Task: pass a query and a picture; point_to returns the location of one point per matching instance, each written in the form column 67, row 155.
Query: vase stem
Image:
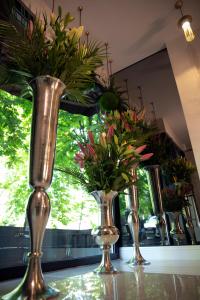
column 134, row 224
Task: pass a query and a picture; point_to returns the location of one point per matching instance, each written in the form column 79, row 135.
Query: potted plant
column 177, row 172
column 173, row 202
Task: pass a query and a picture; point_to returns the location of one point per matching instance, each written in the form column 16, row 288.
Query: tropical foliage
column 66, row 196
column 49, row 47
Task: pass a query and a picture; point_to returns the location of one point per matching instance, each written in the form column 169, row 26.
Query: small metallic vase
column 106, row 234
column 154, row 181
column 134, row 225
column 176, row 231
column 47, row 93
column 190, row 225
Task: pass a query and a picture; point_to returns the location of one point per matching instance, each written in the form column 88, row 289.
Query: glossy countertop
column 130, row 285
column 160, row 280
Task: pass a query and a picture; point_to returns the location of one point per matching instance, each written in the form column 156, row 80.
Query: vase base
column 138, row 262
column 21, row 293
column 105, row 270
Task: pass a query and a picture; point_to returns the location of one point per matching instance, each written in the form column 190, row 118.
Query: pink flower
column 102, row 139
column 127, row 127
column 79, row 159
column 140, row 149
column 91, row 150
column 91, row 137
column 129, row 147
column 110, row 132
column 82, row 148
column 146, row 156
column 30, row 29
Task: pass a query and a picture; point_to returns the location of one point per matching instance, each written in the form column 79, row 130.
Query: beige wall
column 37, row 6
column 187, row 78
column 185, row 61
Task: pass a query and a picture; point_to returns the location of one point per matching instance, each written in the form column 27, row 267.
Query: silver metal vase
column 190, row 225
column 134, row 225
column 47, row 93
column 106, row 234
column 154, row 181
column 176, row 231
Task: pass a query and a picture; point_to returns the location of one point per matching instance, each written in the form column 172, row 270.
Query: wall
column 169, row 253
column 37, row 6
column 186, row 72
column 185, row 61
column 155, row 76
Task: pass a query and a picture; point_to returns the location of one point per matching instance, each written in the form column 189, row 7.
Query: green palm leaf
column 31, row 55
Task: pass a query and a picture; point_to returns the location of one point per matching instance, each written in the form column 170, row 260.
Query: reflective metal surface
column 154, row 180
column 176, row 231
column 48, row 91
column 106, row 234
column 134, row 225
column 190, row 225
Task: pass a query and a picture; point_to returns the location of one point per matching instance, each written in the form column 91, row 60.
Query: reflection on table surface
column 129, row 285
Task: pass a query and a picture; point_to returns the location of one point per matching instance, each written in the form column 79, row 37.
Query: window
column 74, row 213
column 21, row 14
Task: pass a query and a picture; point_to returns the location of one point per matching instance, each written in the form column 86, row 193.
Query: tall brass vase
column 134, row 225
column 47, row 93
column 106, row 233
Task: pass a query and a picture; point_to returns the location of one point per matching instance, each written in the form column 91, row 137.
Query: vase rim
column 101, row 192
column 48, row 76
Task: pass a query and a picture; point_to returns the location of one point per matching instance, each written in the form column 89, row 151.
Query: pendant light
column 185, row 22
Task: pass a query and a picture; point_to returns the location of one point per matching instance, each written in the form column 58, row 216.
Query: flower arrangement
column 107, row 163
column 107, row 158
column 177, row 175
column 174, row 197
column 130, row 124
column 49, row 47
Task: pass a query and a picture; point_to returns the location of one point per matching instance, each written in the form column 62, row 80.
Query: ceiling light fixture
column 185, row 22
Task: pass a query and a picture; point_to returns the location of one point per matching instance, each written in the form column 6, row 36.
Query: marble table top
column 129, row 285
